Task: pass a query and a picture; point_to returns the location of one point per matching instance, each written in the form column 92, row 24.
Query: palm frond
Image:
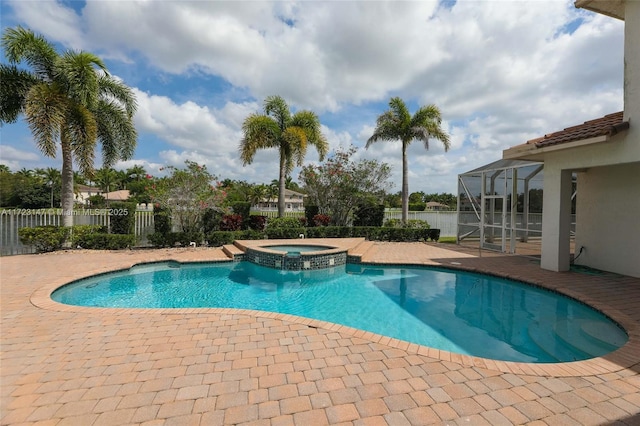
column 45, row 109
column 76, row 70
column 276, row 107
column 111, row 88
column 296, row 145
column 260, row 132
column 310, row 122
column 116, row 132
column 14, row 86
column 21, row 44
column 81, row 130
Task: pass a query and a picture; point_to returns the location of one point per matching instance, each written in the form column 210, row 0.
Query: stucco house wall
column 608, row 170
column 608, row 219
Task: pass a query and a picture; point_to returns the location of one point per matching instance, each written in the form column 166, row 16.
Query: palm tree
column 69, row 98
column 137, row 173
column 398, row 124
column 290, row 134
column 51, row 177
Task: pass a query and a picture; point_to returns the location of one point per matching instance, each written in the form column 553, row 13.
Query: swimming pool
column 455, row 311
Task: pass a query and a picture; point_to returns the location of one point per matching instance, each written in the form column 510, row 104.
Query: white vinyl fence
column 14, row 219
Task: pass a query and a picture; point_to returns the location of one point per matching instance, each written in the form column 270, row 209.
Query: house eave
column 531, row 151
column 612, row 8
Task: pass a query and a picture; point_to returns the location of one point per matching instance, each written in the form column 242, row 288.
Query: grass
column 447, row 240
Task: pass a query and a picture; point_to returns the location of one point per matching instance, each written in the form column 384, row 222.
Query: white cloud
column 501, row 72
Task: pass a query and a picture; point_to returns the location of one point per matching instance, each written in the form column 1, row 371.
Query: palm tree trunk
column 281, row 182
column 405, row 184
column 67, row 183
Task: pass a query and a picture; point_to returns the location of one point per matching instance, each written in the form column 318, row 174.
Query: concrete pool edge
column 625, row 357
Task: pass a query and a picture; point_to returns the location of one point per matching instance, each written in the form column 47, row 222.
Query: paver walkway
column 84, row 366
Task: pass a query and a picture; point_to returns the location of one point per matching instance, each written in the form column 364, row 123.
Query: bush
column 417, row 224
column 80, row 231
column 242, row 208
column 283, row 222
column 161, row 220
column 321, row 220
column 310, row 212
column 231, row 222
column 97, row 241
column 220, row 238
column 211, row 219
column 122, row 217
column 393, row 223
column 160, row 239
column 368, row 214
column 44, row 238
column 417, row 207
column 411, row 223
column 257, row 223
column 284, row 227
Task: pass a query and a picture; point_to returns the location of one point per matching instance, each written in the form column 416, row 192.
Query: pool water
column 455, row 311
column 296, row 248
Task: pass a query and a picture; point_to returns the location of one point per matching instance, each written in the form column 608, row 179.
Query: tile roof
column 608, row 125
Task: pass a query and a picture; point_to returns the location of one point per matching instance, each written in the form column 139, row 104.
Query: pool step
column 363, row 249
column 232, row 251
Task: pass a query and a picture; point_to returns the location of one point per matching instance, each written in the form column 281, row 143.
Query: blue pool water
column 451, row 310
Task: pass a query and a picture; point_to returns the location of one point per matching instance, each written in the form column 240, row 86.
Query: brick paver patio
column 65, row 365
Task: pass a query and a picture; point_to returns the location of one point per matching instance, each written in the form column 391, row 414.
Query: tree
column 290, row 134
column 68, row 98
column 339, row 184
column 52, row 178
column 398, row 124
column 187, row 194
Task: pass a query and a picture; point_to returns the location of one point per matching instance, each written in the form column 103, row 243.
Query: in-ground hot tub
column 295, row 257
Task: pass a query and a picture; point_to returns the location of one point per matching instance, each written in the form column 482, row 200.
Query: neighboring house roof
column 121, row 195
column 432, row 204
column 592, row 131
column 290, row 192
column 613, row 8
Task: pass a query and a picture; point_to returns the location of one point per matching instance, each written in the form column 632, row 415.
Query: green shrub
column 284, row 233
column 107, row 241
column 310, row 212
column 122, row 217
column 243, row 208
column 283, row 222
column 44, row 238
column 210, row 220
column 186, row 238
column 417, row 207
column 220, row 238
column 417, row 224
column 161, row 220
column 368, row 214
column 80, row 231
column 392, row 223
column 411, row 223
column 161, row 239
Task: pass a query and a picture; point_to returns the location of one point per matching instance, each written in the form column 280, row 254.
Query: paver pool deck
column 66, row 365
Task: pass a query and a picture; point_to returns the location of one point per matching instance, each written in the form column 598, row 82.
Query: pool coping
column 624, row 357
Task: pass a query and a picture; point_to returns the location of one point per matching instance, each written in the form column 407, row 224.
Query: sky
column 501, row 71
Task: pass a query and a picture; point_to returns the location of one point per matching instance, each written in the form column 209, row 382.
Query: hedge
column 44, row 238
column 107, row 241
column 122, row 217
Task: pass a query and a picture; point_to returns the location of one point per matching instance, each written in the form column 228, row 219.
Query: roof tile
column 607, row 125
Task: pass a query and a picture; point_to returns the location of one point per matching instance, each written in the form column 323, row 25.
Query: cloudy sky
column 502, row 72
